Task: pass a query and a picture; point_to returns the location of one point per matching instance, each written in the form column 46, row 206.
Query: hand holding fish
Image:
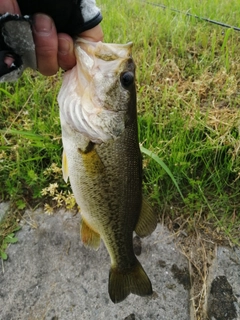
column 53, row 50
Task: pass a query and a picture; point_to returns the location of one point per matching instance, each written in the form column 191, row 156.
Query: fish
column 102, row 159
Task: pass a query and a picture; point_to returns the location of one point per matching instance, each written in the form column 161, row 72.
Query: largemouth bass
column 103, row 161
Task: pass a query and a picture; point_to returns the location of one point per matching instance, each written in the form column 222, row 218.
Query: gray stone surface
column 50, row 275
column 4, row 207
column 223, row 301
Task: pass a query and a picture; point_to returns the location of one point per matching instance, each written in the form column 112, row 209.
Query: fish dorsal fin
column 89, row 237
column 65, row 167
column 147, row 221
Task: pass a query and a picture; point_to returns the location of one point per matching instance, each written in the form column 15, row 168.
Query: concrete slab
column 223, row 301
column 50, row 275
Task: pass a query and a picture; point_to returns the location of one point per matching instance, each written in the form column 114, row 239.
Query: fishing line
column 192, row 15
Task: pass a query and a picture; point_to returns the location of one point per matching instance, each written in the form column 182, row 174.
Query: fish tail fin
column 123, row 282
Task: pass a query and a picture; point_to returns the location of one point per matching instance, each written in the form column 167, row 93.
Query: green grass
column 188, row 111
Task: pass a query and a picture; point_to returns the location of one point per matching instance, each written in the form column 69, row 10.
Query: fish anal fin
column 147, row 221
column 123, row 282
column 65, row 166
column 89, row 237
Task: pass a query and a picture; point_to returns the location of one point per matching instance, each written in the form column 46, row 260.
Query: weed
column 10, row 238
column 8, row 227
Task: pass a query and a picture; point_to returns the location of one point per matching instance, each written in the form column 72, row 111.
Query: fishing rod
column 192, row 15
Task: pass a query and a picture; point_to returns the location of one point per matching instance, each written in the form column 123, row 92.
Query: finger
column 66, row 56
column 46, row 44
column 10, row 6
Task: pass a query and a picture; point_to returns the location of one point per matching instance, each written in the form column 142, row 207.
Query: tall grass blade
column 163, row 165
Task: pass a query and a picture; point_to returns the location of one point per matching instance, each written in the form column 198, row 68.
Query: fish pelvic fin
column 147, row 221
column 65, row 166
column 123, row 282
column 89, row 237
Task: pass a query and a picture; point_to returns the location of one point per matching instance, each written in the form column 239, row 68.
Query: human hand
column 53, row 50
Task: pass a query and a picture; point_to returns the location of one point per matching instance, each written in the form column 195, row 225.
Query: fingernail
column 42, row 24
column 63, row 46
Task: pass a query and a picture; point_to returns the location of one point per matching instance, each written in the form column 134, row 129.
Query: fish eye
column 127, row 78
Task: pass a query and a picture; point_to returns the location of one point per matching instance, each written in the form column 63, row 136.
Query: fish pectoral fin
column 91, row 160
column 123, row 282
column 147, row 221
column 89, row 237
column 65, row 166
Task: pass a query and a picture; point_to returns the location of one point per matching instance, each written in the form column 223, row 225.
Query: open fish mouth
column 105, row 51
column 104, row 62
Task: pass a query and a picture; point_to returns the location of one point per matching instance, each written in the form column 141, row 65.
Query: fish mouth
column 105, row 51
column 99, row 58
column 106, row 60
